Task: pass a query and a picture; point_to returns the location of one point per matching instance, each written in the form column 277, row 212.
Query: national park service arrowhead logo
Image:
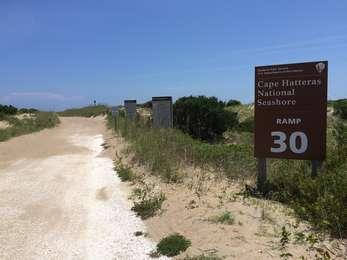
column 320, row 67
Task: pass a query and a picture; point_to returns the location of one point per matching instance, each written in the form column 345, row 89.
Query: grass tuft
column 173, row 245
column 124, row 173
column 203, row 257
column 223, row 218
column 148, row 207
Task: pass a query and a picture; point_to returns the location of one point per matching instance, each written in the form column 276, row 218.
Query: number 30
column 280, row 138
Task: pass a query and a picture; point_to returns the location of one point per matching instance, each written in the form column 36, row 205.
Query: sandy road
column 60, row 199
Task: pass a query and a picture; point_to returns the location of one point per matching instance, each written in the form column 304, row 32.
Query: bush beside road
column 33, row 123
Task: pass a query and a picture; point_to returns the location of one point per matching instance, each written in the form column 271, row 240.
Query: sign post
column 114, row 112
column 262, row 174
column 162, row 112
column 290, row 112
column 130, row 109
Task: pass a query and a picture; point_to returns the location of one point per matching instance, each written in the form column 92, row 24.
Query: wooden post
column 262, row 174
column 315, row 165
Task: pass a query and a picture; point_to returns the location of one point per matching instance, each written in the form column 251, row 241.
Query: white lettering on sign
column 301, row 83
column 267, row 84
column 276, row 93
column 280, row 138
column 276, row 102
column 288, row 121
column 289, row 83
column 303, row 142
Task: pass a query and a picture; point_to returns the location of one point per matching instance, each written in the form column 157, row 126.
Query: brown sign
column 290, row 110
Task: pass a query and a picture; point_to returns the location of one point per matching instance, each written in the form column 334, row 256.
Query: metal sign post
column 130, row 109
column 162, row 112
column 114, row 112
column 315, row 165
column 262, row 174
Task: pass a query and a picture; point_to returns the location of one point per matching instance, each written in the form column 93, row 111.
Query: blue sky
column 58, row 54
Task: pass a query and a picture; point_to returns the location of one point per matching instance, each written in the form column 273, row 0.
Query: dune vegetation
column 28, row 124
column 88, row 111
column 321, row 200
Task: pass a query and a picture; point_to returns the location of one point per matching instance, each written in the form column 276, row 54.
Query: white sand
column 4, row 124
column 66, row 206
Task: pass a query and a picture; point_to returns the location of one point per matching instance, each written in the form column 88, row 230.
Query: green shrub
column 18, row 127
column 147, row 207
column 247, row 125
column 124, row 173
column 340, row 107
column 233, row 102
column 173, row 245
column 223, row 218
column 203, row 117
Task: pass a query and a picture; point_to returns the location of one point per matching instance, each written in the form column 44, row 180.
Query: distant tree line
column 8, row 110
column 28, row 110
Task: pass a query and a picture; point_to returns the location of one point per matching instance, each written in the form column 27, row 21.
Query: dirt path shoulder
column 60, row 198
